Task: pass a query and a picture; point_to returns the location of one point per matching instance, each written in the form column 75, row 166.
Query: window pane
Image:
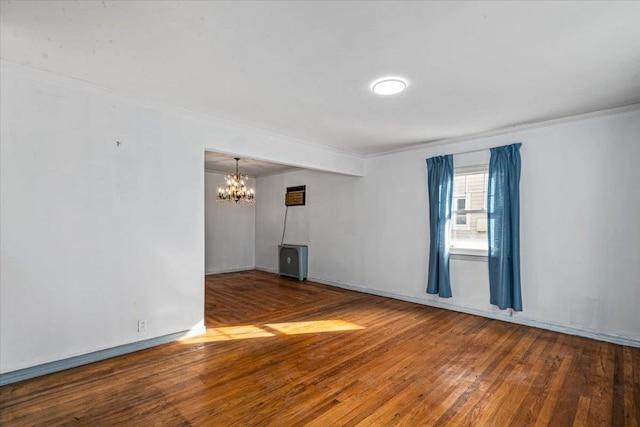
column 469, row 230
column 470, row 234
column 459, row 184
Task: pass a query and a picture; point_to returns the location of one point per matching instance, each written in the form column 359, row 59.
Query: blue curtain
column 503, row 214
column 440, row 186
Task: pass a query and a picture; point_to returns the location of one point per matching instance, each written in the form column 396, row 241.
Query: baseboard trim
column 266, row 269
column 96, row 356
column 229, row 270
column 586, row 333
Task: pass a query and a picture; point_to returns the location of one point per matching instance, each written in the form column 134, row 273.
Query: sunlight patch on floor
column 228, row 333
column 294, row 328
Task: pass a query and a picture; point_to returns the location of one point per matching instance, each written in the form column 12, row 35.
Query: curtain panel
column 503, row 214
column 440, row 189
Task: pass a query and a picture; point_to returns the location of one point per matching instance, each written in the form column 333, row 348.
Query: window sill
column 468, row 254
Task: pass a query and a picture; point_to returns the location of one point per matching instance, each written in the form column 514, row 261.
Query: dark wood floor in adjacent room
column 285, row 353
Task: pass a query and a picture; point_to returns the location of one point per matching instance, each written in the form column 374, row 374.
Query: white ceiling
column 303, row 69
column 224, row 163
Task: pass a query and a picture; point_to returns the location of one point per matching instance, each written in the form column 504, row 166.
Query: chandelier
column 236, row 190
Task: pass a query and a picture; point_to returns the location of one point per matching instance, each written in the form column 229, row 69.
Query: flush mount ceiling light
column 388, row 86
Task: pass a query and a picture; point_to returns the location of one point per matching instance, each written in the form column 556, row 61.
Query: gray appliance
column 292, row 261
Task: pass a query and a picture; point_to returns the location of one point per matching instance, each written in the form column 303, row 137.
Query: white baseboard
column 229, row 270
column 267, row 269
column 587, row 333
column 84, row 359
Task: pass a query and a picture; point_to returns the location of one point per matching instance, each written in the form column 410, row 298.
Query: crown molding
column 507, row 130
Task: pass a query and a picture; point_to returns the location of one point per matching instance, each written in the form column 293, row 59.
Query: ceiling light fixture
column 388, row 86
column 236, row 190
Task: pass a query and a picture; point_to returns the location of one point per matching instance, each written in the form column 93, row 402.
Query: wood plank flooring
column 284, row 353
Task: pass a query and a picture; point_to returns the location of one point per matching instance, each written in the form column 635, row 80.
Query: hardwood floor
column 284, row 353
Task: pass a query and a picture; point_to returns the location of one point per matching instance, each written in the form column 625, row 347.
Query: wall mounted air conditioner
column 292, row 261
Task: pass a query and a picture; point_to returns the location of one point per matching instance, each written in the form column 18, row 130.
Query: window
column 469, row 211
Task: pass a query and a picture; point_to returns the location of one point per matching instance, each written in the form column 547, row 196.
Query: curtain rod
column 482, row 149
column 473, row 151
column 463, row 152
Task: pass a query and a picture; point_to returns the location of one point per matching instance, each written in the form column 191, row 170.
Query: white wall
column 328, row 223
column 96, row 236
column 229, row 230
column 580, row 233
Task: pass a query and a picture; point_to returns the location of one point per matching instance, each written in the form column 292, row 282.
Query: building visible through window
column 469, row 213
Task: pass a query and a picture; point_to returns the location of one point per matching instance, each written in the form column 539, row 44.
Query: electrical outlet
column 142, row 325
